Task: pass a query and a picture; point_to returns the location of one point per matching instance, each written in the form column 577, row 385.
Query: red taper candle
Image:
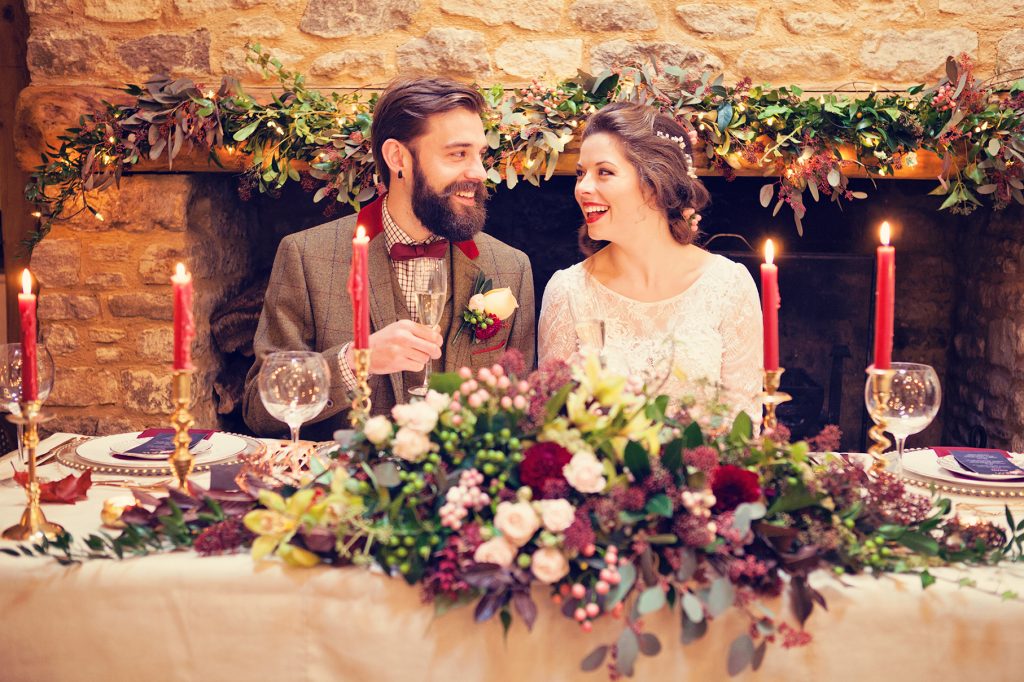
column 770, row 303
column 184, row 324
column 885, row 300
column 29, row 352
column 359, row 289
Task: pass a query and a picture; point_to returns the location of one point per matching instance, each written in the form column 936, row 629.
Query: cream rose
column 500, row 302
column 495, row 551
column 418, row 415
column 549, row 565
column 438, row 402
column 410, row 444
column 557, row 515
column 585, row 473
column 377, row 429
column 476, row 303
column 517, row 522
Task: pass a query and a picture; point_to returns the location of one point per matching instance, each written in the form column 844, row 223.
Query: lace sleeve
column 556, row 335
column 742, row 349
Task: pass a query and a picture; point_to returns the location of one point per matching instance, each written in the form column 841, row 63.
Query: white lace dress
column 705, row 342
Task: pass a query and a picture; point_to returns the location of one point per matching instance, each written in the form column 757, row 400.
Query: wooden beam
column 44, row 112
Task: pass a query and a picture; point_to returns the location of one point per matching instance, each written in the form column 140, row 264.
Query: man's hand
column 403, row 346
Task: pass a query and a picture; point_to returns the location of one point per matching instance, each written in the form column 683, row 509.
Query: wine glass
column 294, row 387
column 10, row 381
column 914, row 398
column 590, row 337
column 430, row 284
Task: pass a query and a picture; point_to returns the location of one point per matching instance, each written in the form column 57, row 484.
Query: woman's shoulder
column 730, row 280
column 566, row 278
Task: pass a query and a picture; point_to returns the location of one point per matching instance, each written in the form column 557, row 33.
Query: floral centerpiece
column 575, row 484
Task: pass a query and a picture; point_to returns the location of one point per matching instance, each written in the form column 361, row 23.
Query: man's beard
column 436, row 213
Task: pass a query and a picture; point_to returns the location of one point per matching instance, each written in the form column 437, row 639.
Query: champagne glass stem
column 426, row 376
column 897, row 466
column 295, row 432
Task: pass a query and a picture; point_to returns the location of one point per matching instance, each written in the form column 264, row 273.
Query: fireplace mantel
column 44, row 112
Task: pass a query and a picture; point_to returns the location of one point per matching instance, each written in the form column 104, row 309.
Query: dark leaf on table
column 627, row 649
column 525, row 607
column 801, row 601
column 67, row 490
column 489, row 605
column 741, row 654
column 594, row 659
column 650, row 645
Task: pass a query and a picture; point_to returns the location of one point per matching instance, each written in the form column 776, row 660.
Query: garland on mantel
column 322, row 141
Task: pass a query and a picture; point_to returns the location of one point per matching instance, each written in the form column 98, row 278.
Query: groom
column 428, row 142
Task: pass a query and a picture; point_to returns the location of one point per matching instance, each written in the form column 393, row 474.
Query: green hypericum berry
column 428, row 468
column 523, row 560
column 404, row 568
column 394, row 541
column 489, row 469
column 435, row 539
column 408, row 541
column 505, row 434
column 514, row 443
column 401, row 552
column 517, row 457
column 424, row 552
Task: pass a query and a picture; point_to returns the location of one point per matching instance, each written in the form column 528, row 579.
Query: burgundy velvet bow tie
column 400, row 252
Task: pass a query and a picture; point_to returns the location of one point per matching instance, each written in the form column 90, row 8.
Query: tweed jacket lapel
column 464, row 274
column 382, row 298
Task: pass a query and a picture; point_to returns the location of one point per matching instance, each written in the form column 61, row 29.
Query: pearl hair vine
column 681, row 141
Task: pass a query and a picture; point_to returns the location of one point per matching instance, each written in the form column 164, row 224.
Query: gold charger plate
column 67, row 455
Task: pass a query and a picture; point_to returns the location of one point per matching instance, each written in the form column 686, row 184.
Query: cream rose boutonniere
column 487, row 310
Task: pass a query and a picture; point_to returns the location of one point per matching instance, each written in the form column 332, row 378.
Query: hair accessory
column 681, row 141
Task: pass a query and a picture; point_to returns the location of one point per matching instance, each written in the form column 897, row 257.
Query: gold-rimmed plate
column 225, row 449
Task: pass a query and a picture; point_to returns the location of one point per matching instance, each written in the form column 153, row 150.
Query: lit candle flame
column 361, row 234
column 884, row 233
column 26, row 282
column 179, row 270
column 769, row 252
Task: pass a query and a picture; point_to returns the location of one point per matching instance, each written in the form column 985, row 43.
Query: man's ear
column 396, row 157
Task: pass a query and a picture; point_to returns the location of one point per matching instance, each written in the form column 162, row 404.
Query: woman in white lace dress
column 672, row 312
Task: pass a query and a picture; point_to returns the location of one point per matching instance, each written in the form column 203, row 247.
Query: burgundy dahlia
column 732, row 486
column 543, row 463
column 484, row 333
column 221, row 538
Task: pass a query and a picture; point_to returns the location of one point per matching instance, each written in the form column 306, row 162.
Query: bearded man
column 428, row 142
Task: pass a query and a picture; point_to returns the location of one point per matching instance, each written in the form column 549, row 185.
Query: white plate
column 122, row 447
column 100, row 451
column 924, row 463
column 949, row 463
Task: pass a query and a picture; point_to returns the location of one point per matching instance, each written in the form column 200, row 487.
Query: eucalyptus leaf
column 692, row 607
column 741, row 654
column 627, row 649
column 650, row 600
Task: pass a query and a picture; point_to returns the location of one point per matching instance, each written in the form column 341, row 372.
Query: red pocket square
column 488, row 350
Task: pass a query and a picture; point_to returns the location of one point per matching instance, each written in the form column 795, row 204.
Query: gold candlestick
column 33, row 524
column 772, row 397
column 181, row 460
column 359, row 412
column 880, row 385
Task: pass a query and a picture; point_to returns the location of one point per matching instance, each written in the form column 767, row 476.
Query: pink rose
column 549, row 565
column 557, row 515
column 516, row 521
column 585, row 473
column 495, row 551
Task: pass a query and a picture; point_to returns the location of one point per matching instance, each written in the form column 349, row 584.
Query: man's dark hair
column 404, row 107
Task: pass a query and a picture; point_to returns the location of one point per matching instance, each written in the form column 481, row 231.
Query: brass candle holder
column 771, row 397
column 33, row 524
column 181, row 459
column 359, row 412
column 879, row 388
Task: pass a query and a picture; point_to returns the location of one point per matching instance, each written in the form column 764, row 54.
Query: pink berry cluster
column 585, row 613
column 490, row 383
column 463, row 497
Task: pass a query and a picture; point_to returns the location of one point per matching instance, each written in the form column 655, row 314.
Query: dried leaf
column 594, row 659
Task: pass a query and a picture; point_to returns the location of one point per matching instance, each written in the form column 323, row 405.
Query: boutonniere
column 487, row 310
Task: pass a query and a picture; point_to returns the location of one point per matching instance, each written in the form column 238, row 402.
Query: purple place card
column 983, row 461
column 163, row 442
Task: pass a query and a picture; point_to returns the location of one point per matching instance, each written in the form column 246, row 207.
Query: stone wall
column 105, row 297
column 986, row 372
column 355, row 42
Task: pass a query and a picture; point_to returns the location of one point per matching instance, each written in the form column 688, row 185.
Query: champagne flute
column 430, row 284
column 294, row 387
column 590, row 337
column 914, row 399
column 10, row 382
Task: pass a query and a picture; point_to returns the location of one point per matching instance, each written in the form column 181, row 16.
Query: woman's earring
column 399, row 173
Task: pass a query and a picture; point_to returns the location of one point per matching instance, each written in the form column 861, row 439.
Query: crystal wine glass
column 590, row 337
column 914, row 398
column 10, row 381
column 430, row 284
column 294, row 387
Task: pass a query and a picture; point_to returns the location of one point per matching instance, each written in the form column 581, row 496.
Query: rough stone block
column 540, row 58
column 57, row 262
column 107, row 354
column 157, row 344
column 69, row 423
column 120, row 12
column 718, row 21
column 257, row 27
column 1010, row 51
column 340, row 18
column 664, row 53
column 168, row 52
column 807, row 62
column 105, row 280
column 816, row 23
column 234, row 61
column 445, row 50
column 54, row 53
column 148, row 305
column 67, row 307
column 83, row 386
column 106, row 334
column 109, row 253
column 986, row 8
column 538, row 15
column 1002, row 343
column 156, row 265
column 358, row 63
column 613, row 15
column 60, row 338
column 914, row 54
column 144, row 203
column 146, row 392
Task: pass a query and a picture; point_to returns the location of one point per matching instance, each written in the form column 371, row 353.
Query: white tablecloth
column 181, row 617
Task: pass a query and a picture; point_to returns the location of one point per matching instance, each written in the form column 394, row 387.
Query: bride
column 685, row 320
